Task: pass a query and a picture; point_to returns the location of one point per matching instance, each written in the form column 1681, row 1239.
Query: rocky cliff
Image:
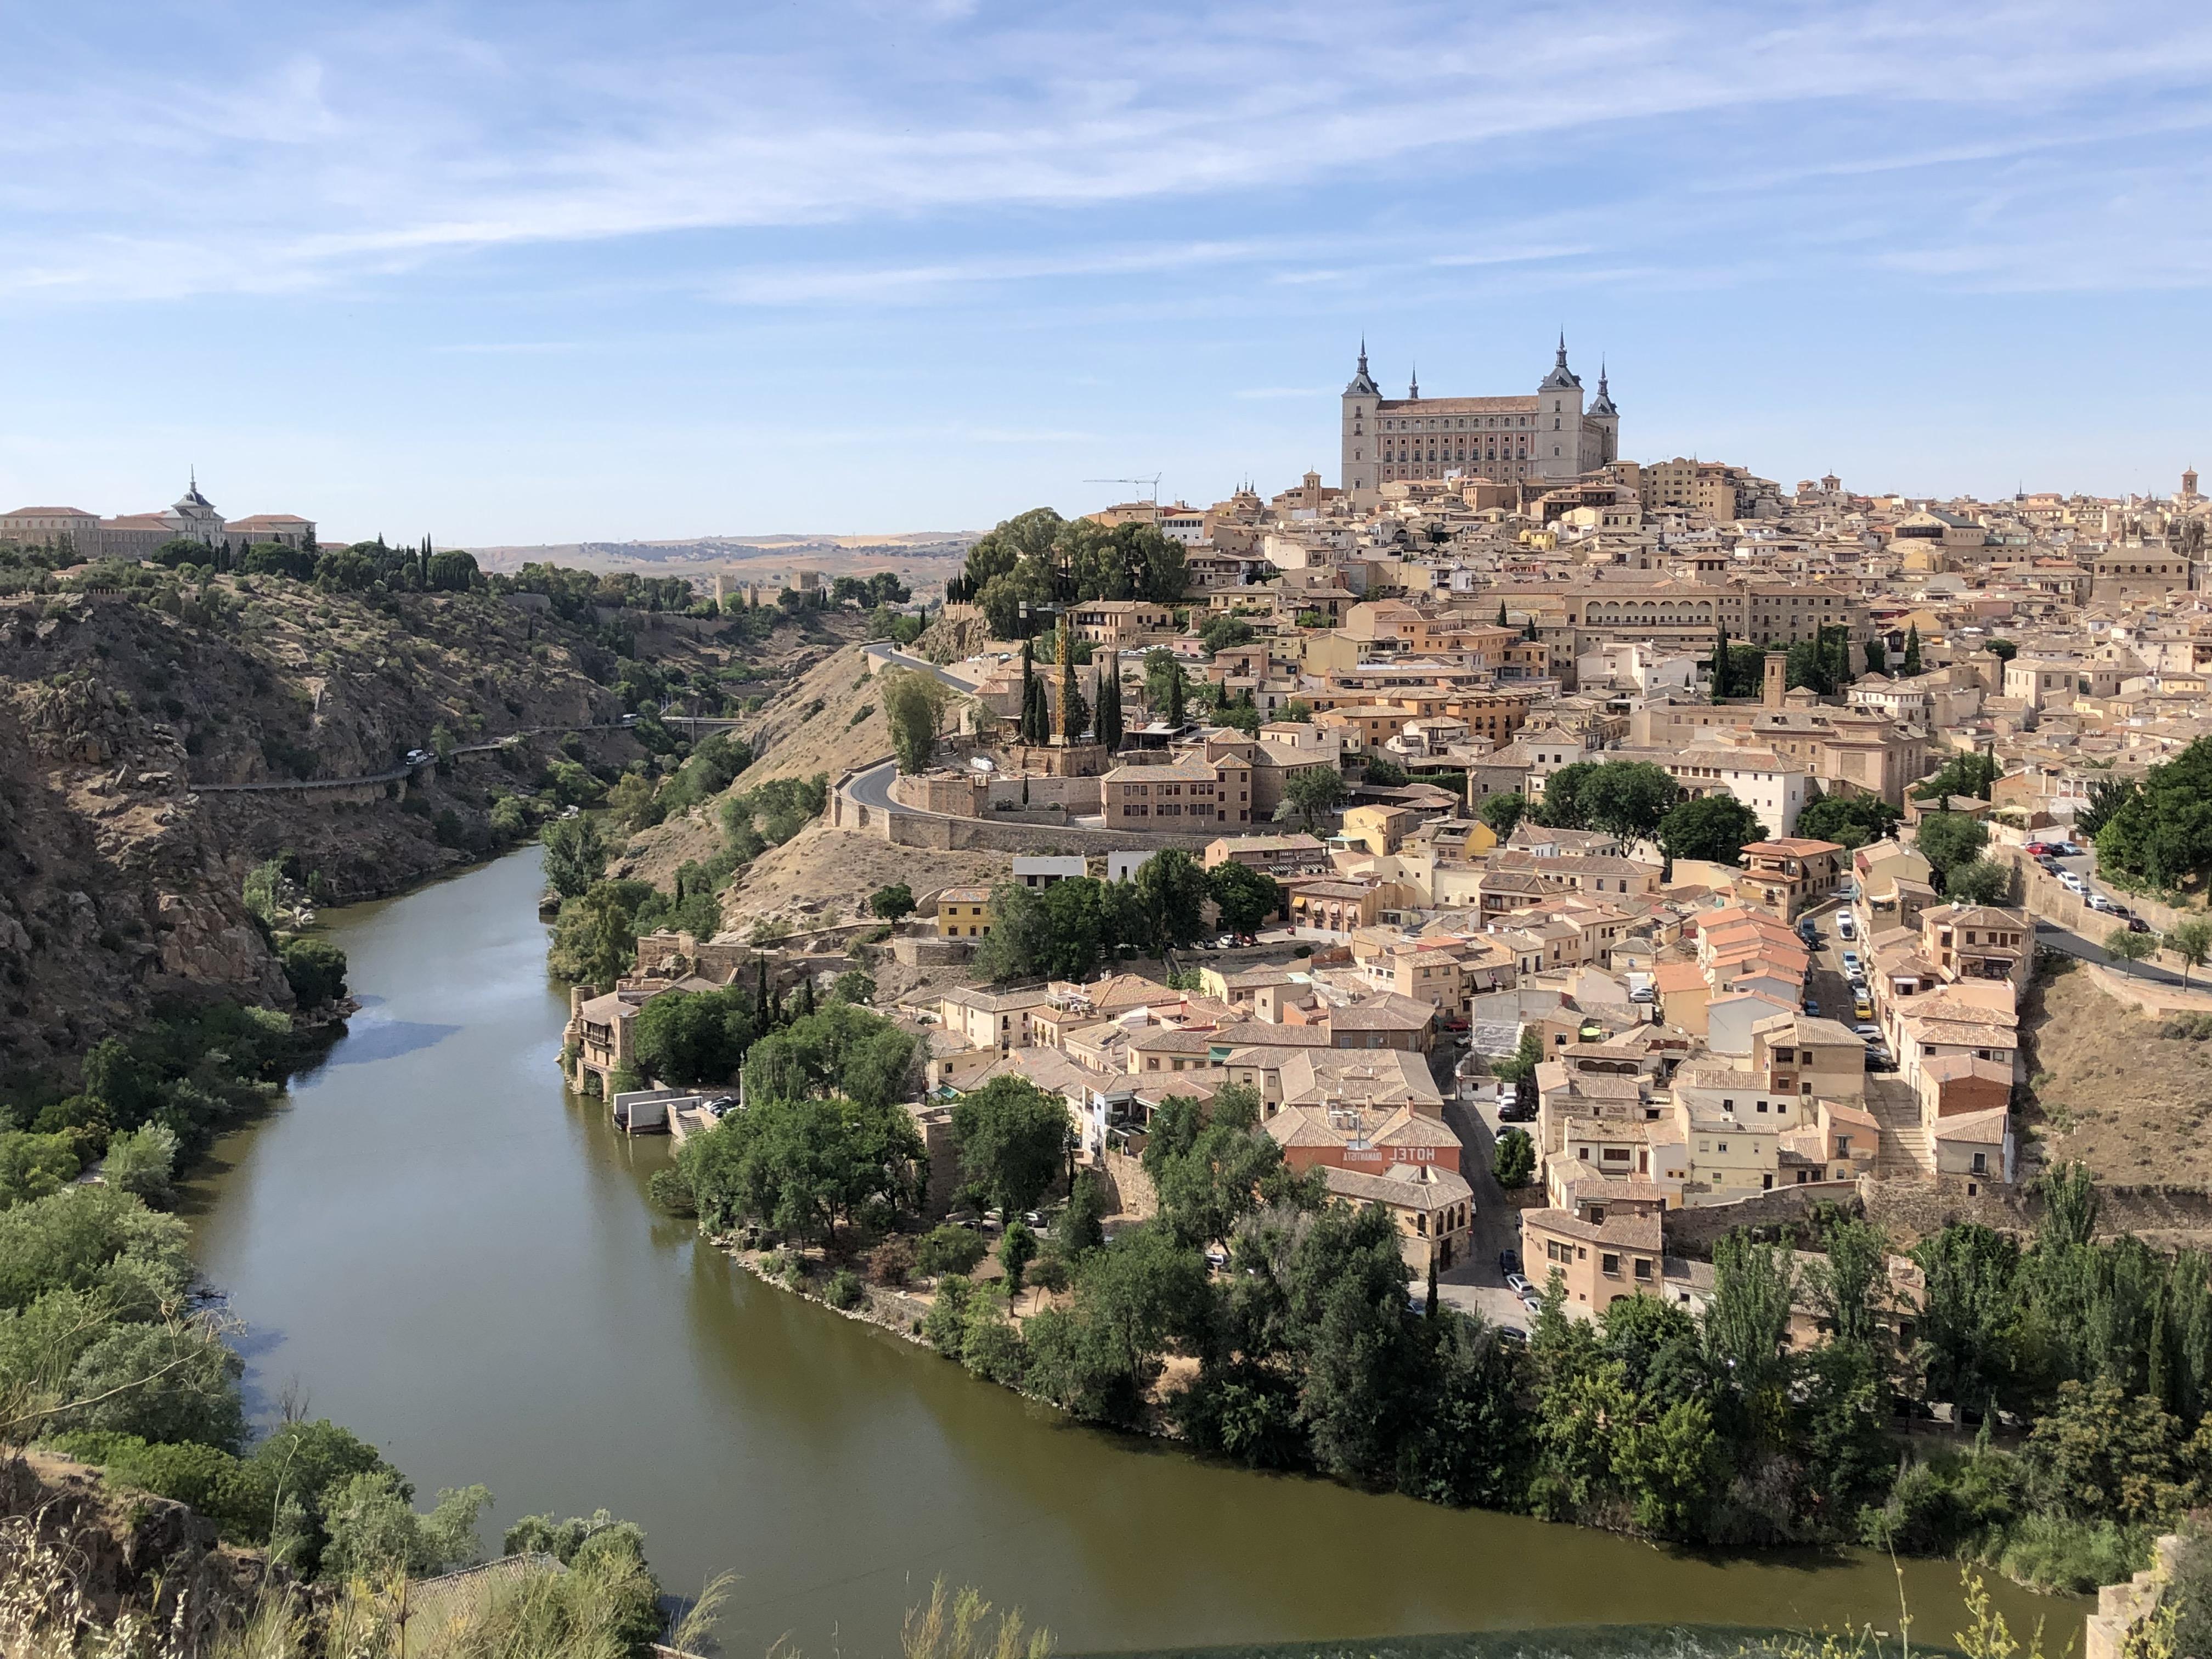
column 120, row 879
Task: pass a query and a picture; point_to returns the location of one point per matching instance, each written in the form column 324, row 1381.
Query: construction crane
column 1151, row 488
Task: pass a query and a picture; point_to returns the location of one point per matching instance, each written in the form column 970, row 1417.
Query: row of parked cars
column 1879, row 1058
column 2046, row 854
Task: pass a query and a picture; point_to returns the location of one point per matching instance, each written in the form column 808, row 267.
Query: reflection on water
column 437, row 1246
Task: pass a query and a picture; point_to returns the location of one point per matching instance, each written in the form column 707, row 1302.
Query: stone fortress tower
column 1550, row 436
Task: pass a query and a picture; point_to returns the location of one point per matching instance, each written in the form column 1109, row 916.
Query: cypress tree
column 1028, row 693
column 1071, row 726
column 1502, row 622
column 1109, row 718
column 1721, row 667
column 1911, row 664
column 1175, row 699
column 760, row 992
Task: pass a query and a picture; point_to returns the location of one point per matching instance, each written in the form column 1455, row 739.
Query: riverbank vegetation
column 1265, row 1324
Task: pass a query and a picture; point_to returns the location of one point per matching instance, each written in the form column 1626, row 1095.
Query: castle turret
column 1558, row 445
column 1606, row 419
column 1357, row 469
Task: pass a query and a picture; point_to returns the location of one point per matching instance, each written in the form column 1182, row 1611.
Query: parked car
column 2073, row 882
column 1509, row 1262
column 1864, row 1028
column 1511, row 1111
column 1879, row 1058
column 1861, row 1008
column 2137, row 924
column 2036, row 850
column 1851, row 964
column 2098, row 902
column 1813, row 1006
column 1226, row 942
column 1520, row 1286
column 1847, row 926
column 420, row 757
column 628, row 719
column 1513, row 1335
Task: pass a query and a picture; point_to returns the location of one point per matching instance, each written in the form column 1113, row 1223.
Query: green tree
column 575, row 854
column 1310, row 796
column 914, row 704
column 2128, row 947
column 803, row 1166
column 1561, row 806
column 1978, row 881
column 2106, row 797
column 373, row 1533
column 1012, row 1140
column 856, row 985
column 1078, row 1229
column 838, row 1049
column 892, row 901
column 595, row 935
column 1514, row 1160
column 1715, row 827
column 1669, row 1466
column 949, row 1249
column 1849, row 821
column 1163, row 673
column 684, row 1037
column 1248, row 899
column 1877, row 656
column 143, row 1162
column 2162, row 831
column 1910, row 666
column 158, row 1382
column 1947, row 840
column 34, row 1166
column 1627, row 798
column 1167, row 897
column 630, row 803
column 315, row 969
column 1018, row 1248
column 1107, row 722
column 1503, row 813
column 2191, row 940
column 2101, row 1452
column 1748, row 1325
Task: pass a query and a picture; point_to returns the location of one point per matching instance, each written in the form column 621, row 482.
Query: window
column 1609, row 1265
column 1643, row 1269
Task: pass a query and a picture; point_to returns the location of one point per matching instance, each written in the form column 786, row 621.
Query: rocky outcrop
column 91, row 1552
column 120, row 883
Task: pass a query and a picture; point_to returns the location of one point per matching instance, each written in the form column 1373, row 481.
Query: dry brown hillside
column 828, row 722
column 2130, row 1097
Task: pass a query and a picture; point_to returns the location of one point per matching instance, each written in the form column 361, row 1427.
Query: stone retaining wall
column 1694, row 1230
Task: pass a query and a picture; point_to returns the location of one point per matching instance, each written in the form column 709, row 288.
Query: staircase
column 1906, row 1149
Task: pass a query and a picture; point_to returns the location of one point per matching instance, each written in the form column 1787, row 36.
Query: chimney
column 1777, row 679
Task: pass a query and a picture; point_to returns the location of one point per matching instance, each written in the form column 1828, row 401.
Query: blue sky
column 519, row 273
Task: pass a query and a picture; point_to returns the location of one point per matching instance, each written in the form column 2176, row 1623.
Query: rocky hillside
column 827, row 721
column 120, row 882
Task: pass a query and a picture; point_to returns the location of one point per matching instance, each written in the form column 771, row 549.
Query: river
column 432, row 1243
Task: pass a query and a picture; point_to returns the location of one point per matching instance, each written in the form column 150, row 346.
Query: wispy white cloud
column 366, row 146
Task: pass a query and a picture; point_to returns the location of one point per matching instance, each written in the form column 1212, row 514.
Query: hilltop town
column 1710, row 835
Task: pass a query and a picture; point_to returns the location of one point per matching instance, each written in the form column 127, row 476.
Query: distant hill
column 752, row 557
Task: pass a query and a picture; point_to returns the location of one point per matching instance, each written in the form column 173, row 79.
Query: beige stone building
column 1547, row 435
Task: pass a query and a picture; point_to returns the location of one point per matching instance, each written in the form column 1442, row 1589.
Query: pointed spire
column 1414, row 386
column 1363, row 353
column 1563, row 348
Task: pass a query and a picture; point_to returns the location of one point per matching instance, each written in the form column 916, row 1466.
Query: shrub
column 315, row 969
column 844, row 1290
column 671, row 1190
column 992, row 1349
column 948, row 1250
column 1515, row 1160
column 892, row 1262
column 945, row 1326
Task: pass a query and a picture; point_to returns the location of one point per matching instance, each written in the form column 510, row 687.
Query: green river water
column 431, row 1243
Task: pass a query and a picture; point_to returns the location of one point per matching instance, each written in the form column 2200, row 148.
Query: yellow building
column 964, row 911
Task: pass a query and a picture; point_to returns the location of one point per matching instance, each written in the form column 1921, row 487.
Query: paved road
column 393, row 775
column 1477, row 1286
column 890, row 656
column 873, row 788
